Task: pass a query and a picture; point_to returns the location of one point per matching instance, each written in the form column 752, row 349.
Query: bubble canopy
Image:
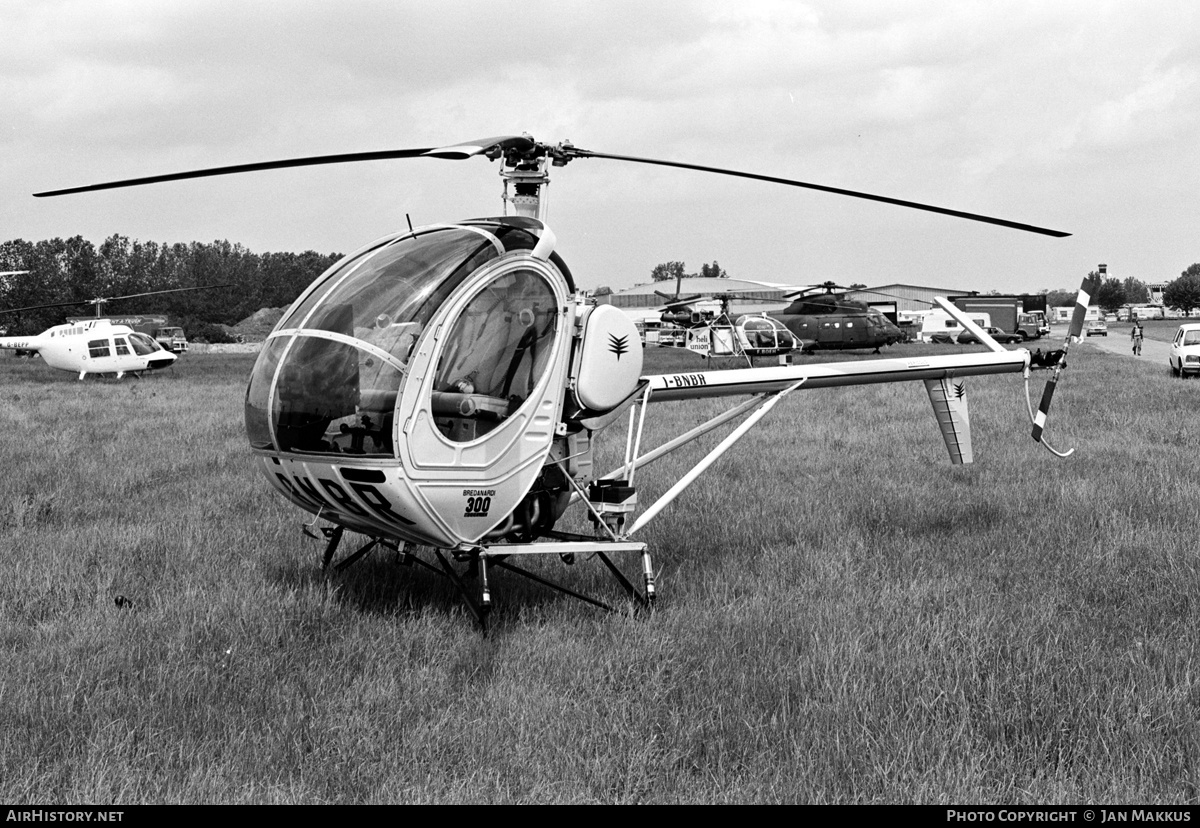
column 328, row 376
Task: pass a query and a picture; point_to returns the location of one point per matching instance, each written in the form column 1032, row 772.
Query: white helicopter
column 706, row 326
column 95, row 346
column 440, row 391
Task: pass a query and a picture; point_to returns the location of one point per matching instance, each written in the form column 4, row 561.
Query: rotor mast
column 527, row 179
column 526, row 164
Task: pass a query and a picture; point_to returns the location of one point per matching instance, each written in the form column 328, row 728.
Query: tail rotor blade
column 1089, row 288
column 1039, row 422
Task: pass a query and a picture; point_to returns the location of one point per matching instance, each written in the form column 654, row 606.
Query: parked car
column 968, row 338
column 1096, row 328
column 1184, row 355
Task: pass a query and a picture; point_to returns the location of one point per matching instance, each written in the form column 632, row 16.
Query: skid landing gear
column 477, row 596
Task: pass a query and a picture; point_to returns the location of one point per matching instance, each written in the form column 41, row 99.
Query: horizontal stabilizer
column 949, row 399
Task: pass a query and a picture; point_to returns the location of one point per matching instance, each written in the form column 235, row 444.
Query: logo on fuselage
column 479, row 502
column 618, row 345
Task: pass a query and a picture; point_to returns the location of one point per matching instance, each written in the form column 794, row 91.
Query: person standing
column 1136, row 336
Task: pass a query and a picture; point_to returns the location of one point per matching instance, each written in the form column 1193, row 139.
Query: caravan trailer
column 937, row 325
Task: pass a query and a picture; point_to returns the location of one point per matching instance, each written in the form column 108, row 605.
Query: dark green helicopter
column 830, row 321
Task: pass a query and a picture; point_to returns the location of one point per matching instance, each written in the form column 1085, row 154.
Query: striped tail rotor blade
column 1039, row 422
column 1089, row 288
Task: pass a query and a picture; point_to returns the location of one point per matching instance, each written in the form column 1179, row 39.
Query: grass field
column 843, row 617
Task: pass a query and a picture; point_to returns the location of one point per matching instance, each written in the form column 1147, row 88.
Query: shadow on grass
column 382, row 584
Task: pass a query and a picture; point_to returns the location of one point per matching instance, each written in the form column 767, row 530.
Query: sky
column 1078, row 116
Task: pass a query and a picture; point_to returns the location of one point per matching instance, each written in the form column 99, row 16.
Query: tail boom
column 666, row 387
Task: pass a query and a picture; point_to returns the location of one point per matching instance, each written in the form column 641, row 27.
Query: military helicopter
column 95, row 346
column 440, row 391
column 832, row 322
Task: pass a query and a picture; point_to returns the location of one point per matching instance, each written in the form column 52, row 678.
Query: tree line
column 670, row 271
column 75, row 270
column 1183, row 294
column 674, row 271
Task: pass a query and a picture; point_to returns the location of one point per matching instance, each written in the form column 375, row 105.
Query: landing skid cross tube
column 601, row 549
column 496, row 555
column 478, row 599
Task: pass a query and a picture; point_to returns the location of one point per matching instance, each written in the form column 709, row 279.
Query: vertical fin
column 949, row 399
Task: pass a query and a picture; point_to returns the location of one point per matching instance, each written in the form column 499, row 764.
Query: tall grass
column 844, row 617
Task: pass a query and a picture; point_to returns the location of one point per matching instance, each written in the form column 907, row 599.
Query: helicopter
column 440, row 391
column 832, row 322
column 711, row 330
column 95, row 346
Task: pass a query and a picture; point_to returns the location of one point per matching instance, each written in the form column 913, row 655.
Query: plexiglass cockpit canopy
column 328, row 376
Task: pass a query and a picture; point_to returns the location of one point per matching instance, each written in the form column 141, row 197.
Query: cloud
column 1022, row 108
column 1162, row 104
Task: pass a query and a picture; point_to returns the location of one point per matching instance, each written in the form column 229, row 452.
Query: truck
column 1008, row 313
column 170, row 337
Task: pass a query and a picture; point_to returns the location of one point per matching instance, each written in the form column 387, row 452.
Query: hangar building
column 889, row 299
column 754, row 297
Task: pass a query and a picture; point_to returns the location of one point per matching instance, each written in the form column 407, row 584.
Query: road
column 1118, row 342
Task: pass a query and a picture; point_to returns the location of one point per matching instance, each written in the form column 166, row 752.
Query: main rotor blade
column 468, row 149
column 311, row 161
column 107, row 299
column 40, row 307
column 100, row 300
column 836, row 190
